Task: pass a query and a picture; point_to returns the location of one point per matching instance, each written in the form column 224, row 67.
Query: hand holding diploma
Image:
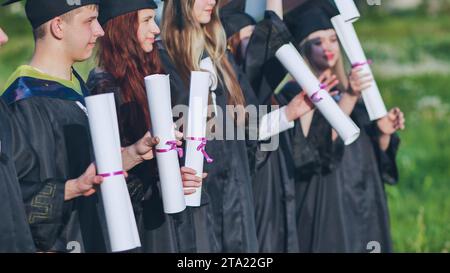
column 294, row 63
column 139, row 152
column 329, row 81
column 85, row 185
column 359, row 81
column 301, row 104
column 350, row 42
column 191, row 181
column 390, row 124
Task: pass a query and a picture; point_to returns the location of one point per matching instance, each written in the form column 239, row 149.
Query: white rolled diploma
column 196, row 129
column 348, row 10
column 207, row 65
column 122, row 228
column 158, row 95
column 350, row 42
column 296, row 66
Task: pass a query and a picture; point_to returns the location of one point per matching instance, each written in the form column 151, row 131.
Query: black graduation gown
column 159, row 232
column 361, row 173
column 341, row 202
column 272, row 173
column 16, row 159
column 58, row 131
column 319, row 208
column 225, row 222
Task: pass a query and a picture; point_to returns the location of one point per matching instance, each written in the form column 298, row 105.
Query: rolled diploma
column 348, row 10
column 122, row 228
column 112, row 104
column 207, row 65
column 196, row 128
column 158, row 94
column 350, row 42
column 296, row 66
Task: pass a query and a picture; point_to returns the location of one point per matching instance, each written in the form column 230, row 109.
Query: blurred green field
column 412, row 65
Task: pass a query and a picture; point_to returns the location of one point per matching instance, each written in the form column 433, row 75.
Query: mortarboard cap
column 40, row 12
column 110, row 9
column 312, row 16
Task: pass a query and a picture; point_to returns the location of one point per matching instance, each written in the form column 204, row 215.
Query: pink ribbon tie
column 369, row 62
column 201, row 147
column 173, row 146
column 105, row 175
column 316, row 96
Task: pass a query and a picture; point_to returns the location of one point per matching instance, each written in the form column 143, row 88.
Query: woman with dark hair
column 123, row 64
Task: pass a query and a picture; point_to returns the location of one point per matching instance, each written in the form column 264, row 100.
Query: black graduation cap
column 312, row 16
column 40, row 12
column 234, row 18
column 110, row 9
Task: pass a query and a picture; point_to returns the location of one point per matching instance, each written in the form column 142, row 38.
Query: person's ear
column 57, row 27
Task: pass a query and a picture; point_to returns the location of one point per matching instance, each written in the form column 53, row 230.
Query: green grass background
column 412, row 65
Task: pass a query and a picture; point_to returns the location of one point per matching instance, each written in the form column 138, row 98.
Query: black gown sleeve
column 17, row 160
column 43, row 191
column 263, row 70
column 386, row 159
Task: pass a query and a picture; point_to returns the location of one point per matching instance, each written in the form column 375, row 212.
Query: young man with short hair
column 47, row 99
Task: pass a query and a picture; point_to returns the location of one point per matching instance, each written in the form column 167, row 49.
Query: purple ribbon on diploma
column 369, row 62
column 173, row 146
column 105, row 175
column 316, row 96
column 201, row 147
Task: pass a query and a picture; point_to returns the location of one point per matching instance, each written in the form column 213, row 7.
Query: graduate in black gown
column 343, row 208
column 225, row 221
column 15, row 160
column 46, row 98
column 254, row 46
column 124, row 63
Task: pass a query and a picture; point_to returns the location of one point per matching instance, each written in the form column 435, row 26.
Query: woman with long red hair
column 125, row 57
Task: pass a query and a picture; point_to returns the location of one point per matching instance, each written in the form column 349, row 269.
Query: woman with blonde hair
column 341, row 203
column 191, row 31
